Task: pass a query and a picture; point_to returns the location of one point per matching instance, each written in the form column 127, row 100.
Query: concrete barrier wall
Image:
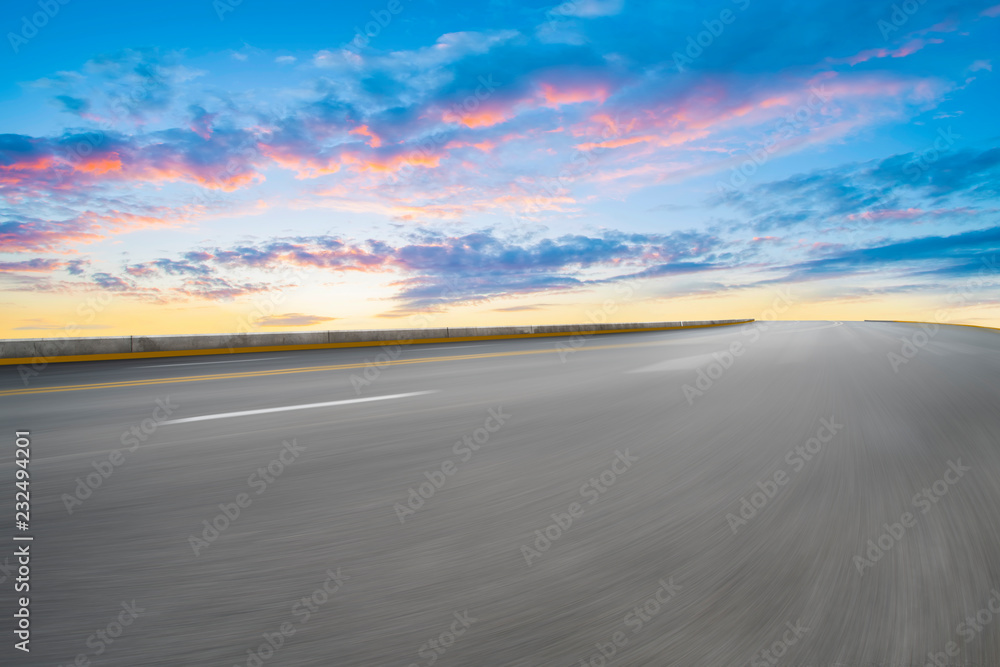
column 59, row 347
column 226, row 341
column 51, row 349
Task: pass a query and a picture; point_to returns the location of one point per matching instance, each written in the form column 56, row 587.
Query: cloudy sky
column 195, row 167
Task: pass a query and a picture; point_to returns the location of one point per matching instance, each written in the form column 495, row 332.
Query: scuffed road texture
column 663, row 518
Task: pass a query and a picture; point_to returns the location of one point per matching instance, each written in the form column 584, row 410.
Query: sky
column 243, row 165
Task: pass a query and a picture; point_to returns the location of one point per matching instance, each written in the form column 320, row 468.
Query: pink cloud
column 554, row 97
column 42, row 236
column 479, row 118
column 392, row 163
column 373, row 139
column 888, row 214
column 617, row 143
column 37, row 265
column 304, row 166
column 548, row 94
column 907, row 49
column 202, row 124
column 486, row 146
column 35, row 165
column 947, row 25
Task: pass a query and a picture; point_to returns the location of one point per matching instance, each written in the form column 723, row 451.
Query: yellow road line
column 950, row 324
column 306, row 369
column 325, row 346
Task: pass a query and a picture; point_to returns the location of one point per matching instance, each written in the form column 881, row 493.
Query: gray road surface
column 829, row 443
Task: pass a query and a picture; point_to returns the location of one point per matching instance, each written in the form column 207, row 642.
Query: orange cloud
column 438, row 211
column 616, row 143
column 554, row 97
column 101, row 164
column 392, row 164
column 25, row 171
column 476, row 119
column 485, row 146
column 151, row 164
column 304, row 167
column 373, row 139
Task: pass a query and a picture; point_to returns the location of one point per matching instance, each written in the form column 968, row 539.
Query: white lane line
column 225, row 415
column 202, row 363
column 817, row 328
column 676, row 364
column 451, row 347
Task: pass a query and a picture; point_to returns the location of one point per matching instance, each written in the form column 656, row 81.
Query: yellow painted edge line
column 326, row 346
column 313, row 369
column 950, row 324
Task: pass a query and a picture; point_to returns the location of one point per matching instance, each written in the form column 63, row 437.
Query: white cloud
column 589, row 9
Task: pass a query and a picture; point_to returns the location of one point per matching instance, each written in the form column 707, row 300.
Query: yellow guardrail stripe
column 322, row 346
column 314, row 369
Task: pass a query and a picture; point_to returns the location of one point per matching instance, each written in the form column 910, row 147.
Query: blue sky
column 191, row 165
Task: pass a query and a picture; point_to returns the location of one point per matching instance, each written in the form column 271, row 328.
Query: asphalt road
column 652, row 557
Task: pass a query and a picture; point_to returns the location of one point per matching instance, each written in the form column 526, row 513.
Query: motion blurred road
column 794, row 493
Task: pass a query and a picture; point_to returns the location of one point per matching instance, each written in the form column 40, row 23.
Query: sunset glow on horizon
column 215, row 167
